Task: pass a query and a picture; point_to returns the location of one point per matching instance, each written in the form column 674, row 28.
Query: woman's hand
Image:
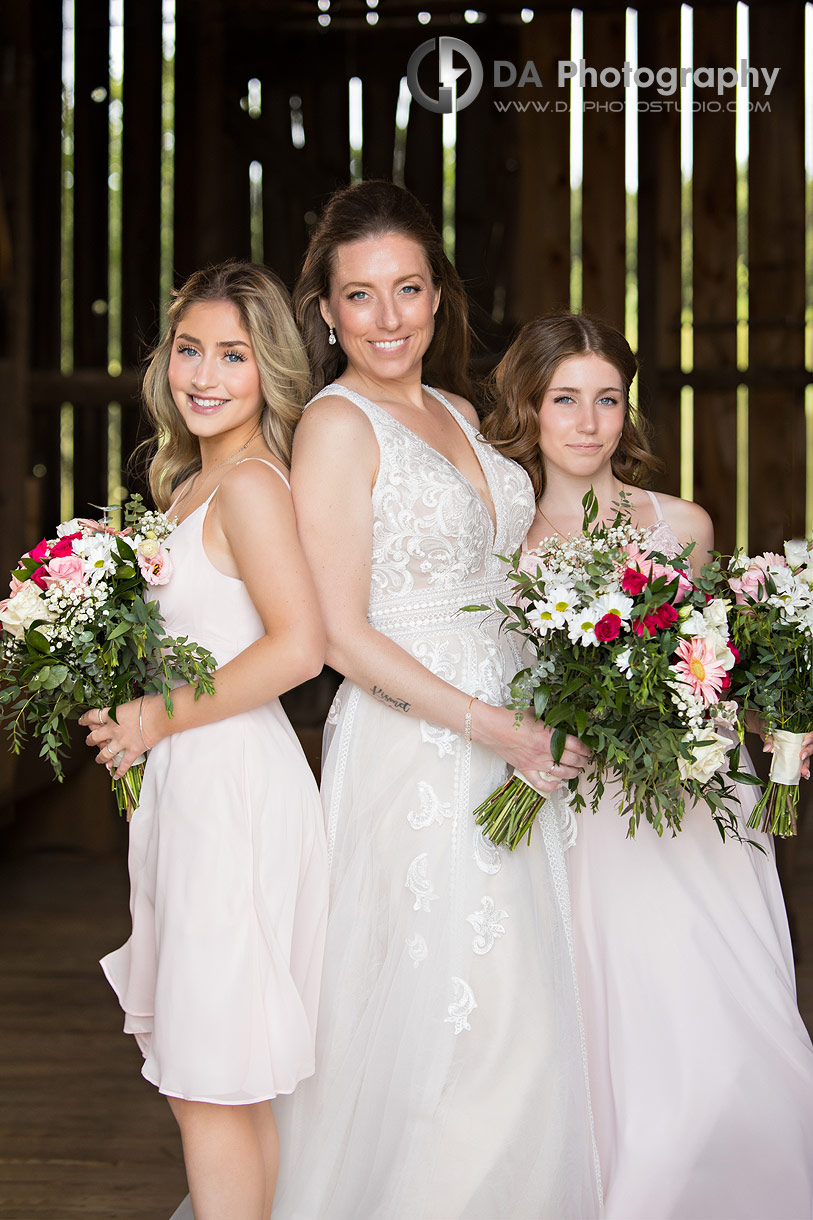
column 526, row 745
column 123, row 736
column 755, row 724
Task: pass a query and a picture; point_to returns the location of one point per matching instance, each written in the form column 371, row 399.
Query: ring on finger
column 99, row 714
column 547, row 777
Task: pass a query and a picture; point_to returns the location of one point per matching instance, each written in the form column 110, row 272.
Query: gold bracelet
column 141, row 723
column 467, row 722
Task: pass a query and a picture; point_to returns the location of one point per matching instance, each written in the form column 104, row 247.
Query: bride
column 700, row 1065
column 450, row 1079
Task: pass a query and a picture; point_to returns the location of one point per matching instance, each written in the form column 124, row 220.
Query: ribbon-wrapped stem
column 775, row 811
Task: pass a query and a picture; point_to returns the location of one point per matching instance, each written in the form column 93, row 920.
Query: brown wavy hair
column 374, row 209
column 520, row 380
column 263, row 304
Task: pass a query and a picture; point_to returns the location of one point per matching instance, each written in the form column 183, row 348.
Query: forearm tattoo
column 401, row 705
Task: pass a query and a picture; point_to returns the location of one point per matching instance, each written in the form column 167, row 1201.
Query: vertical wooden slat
column 200, row 41
column 715, row 279
column 486, row 173
column 380, row 66
column 91, row 244
column 659, row 245
column 540, row 270
column 423, row 165
column 45, row 67
column 15, row 289
column 141, row 195
column 604, row 198
column 776, row 195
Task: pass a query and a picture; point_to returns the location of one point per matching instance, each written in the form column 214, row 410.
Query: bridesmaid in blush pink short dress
column 220, row 978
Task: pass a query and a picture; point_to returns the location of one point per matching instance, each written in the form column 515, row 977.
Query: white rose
column 797, row 552
column 805, row 576
column 715, row 615
column 149, row 548
column 20, row 611
column 708, row 758
column 74, row 526
column 694, row 624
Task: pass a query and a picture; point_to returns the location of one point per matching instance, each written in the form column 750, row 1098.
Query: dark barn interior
column 142, row 139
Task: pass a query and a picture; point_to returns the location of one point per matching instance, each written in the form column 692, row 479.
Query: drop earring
column 332, row 336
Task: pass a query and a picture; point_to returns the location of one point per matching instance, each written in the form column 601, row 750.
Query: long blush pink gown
column 701, row 1069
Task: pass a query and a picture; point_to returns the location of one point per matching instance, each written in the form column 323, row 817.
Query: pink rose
column 158, row 569
column 14, row 585
column 64, row 568
column 749, row 585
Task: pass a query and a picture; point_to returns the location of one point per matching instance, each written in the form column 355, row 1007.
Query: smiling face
column 213, row 375
column 382, row 303
column 582, row 415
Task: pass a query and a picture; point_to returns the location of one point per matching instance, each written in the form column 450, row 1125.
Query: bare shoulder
column 252, row 479
column 337, row 418
column 463, row 406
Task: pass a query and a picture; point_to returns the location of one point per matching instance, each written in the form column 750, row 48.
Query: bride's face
column 582, row 415
column 382, row 303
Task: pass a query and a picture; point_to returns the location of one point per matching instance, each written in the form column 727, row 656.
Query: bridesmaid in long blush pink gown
column 701, row 1068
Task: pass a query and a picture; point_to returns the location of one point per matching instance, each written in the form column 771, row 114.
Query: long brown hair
column 262, row 302
column 522, row 377
column 373, row 209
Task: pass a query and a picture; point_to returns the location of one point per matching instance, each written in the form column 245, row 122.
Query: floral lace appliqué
column 417, row 948
column 436, row 735
column 487, row 855
column 418, row 882
column 430, row 808
column 462, row 1006
column 486, row 923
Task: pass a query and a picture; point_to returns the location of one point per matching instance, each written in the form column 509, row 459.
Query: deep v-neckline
column 460, row 421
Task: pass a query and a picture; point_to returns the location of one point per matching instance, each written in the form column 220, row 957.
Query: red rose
column 633, row 581
column 649, row 622
column 40, row 551
column 666, row 616
column 64, row 546
column 735, row 652
column 608, row 627
column 726, row 682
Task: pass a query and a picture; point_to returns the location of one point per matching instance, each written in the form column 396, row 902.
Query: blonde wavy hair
column 520, row 380
column 262, row 302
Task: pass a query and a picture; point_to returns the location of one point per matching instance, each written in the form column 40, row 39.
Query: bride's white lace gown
column 450, row 1080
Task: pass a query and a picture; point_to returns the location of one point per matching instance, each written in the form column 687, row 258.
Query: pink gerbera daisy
column 699, row 669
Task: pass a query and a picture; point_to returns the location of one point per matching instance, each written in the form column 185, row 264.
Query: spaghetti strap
column 270, row 466
column 655, row 504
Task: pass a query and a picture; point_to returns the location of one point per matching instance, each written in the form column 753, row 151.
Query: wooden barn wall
column 512, row 217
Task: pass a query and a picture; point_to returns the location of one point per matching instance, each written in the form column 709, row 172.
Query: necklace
column 223, row 462
column 555, row 528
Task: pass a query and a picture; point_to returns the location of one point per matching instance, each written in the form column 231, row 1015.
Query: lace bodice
column 434, row 543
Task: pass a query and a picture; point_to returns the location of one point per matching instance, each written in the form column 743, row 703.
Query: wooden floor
column 81, row 1133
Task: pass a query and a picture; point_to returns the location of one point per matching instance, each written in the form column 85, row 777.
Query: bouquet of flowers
column 633, row 657
column 78, row 632
column 772, row 626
